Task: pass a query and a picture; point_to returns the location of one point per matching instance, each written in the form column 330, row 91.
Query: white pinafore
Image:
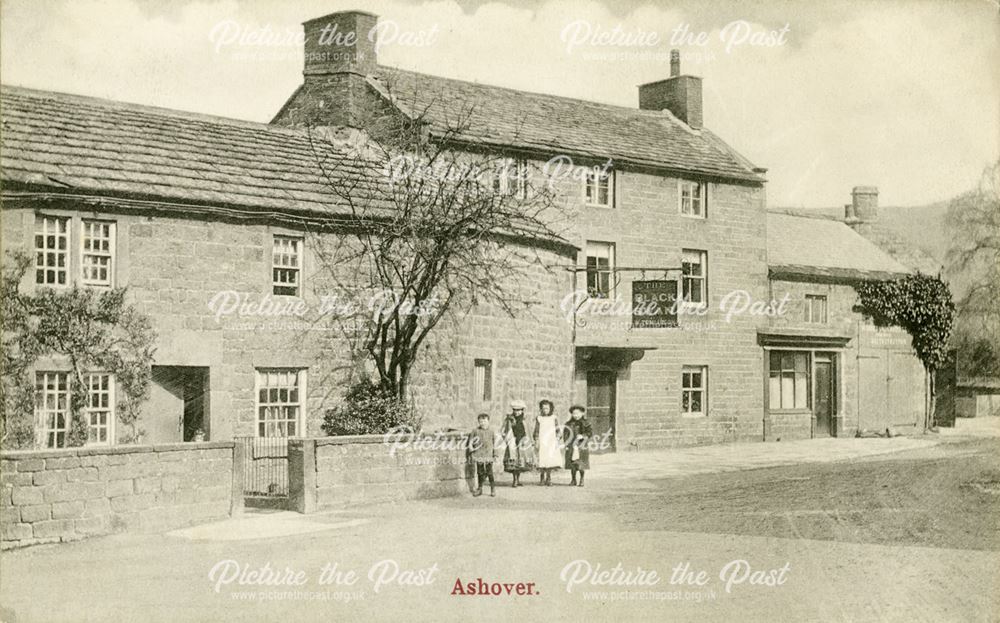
column 549, row 452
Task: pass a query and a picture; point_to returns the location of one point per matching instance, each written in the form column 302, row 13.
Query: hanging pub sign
column 654, row 304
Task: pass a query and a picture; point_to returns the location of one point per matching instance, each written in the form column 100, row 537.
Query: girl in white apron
column 548, row 440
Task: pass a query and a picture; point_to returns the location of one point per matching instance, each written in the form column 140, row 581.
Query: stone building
column 749, row 330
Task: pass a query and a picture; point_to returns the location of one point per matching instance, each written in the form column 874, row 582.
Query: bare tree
column 974, row 270
column 427, row 226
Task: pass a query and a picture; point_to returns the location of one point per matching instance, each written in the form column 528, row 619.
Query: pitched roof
column 81, row 144
column 71, row 144
column 889, row 240
column 884, row 234
column 824, row 248
column 553, row 124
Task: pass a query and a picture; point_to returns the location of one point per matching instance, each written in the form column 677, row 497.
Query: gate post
column 302, row 475
column 239, row 476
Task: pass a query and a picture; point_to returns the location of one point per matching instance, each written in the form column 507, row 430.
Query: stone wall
column 63, row 495
column 335, row 472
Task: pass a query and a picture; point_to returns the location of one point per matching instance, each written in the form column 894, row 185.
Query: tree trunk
column 933, row 399
column 403, row 387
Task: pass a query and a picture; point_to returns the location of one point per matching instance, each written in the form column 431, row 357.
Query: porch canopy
column 802, row 338
column 609, row 356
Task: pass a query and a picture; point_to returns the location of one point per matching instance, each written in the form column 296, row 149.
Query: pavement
column 403, row 560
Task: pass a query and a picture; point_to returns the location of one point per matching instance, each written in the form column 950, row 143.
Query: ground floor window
column 52, row 407
column 280, row 395
column 694, row 387
column 483, row 379
column 100, row 409
column 788, row 380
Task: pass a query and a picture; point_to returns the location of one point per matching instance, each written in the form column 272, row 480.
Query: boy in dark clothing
column 482, row 451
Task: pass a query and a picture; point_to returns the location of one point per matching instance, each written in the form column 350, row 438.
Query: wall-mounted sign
column 893, row 338
column 654, row 304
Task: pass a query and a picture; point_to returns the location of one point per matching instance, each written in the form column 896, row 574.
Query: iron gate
column 265, row 467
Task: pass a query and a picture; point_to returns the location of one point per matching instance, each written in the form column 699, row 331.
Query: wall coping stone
column 14, row 455
column 341, row 440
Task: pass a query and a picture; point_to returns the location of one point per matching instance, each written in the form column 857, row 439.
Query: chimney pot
column 675, row 63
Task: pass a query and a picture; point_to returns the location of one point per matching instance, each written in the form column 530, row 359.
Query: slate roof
column 80, row 144
column 561, row 125
column 883, row 235
column 71, row 144
column 887, row 239
column 824, row 248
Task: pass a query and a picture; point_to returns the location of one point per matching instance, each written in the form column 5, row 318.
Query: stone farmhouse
column 762, row 340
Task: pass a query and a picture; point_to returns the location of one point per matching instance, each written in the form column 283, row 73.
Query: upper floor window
column 286, row 265
column 51, row 250
column 52, row 407
column 694, row 389
column 692, row 196
column 599, row 187
column 483, row 379
column 511, row 178
column 100, row 408
column 97, row 257
column 815, row 308
column 600, row 269
column 280, row 399
column 694, row 269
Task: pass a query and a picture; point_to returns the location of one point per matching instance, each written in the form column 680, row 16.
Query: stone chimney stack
column 340, row 59
column 679, row 94
column 864, row 203
column 342, row 42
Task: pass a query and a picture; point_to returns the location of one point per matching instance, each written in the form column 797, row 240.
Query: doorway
column 825, row 393
column 601, row 406
column 179, row 404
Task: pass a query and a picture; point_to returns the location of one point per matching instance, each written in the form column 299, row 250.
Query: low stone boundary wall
column 333, row 472
column 61, row 495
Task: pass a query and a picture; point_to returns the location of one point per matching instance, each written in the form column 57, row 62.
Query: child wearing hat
column 482, row 451
column 577, row 434
column 519, row 454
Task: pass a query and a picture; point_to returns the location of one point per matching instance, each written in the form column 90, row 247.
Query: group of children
column 549, row 447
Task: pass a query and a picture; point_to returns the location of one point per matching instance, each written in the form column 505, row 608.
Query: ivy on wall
column 88, row 329
column 920, row 304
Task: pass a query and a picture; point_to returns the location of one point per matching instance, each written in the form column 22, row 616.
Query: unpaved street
column 907, row 536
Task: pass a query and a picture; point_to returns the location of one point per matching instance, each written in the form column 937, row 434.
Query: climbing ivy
column 88, row 328
column 920, row 304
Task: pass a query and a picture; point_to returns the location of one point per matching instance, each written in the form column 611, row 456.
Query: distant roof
column 824, row 248
column 89, row 145
column 885, row 233
column 553, row 124
column 979, row 382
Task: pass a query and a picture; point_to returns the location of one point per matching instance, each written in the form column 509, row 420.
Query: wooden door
column 601, row 405
column 823, row 404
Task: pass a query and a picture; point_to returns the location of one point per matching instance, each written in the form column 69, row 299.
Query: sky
column 827, row 95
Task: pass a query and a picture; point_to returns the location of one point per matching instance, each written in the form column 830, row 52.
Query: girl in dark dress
column 519, row 453
column 577, row 434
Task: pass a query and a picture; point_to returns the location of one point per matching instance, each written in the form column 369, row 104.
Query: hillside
column 924, row 227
